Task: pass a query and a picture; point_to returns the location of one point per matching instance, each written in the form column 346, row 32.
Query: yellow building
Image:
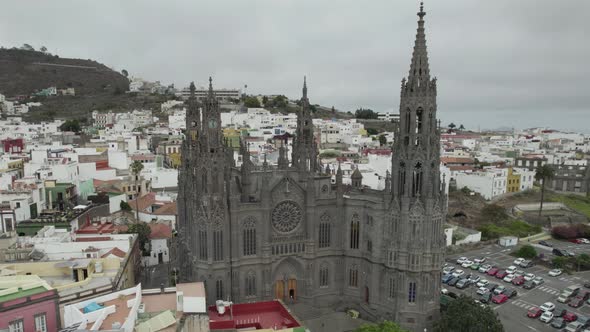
column 513, row 182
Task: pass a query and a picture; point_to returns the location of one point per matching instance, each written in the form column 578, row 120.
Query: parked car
column 518, row 273
column 562, row 298
column 511, row 269
column 491, row 287
column 576, row 241
column 518, row 281
column 475, row 266
column 534, row 312
column 448, row 269
column 546, row 317
column 467, row 264
column 526, row 263
column 479, row 260
column 462, row 284
column 555, row 272
column 584, row 241
column 445, row 279
column 482, row 290
column 510, row 292
column 444, row 291
column 492, row 271
column 585, row 321
column 485, row 297
column 558, row 323
column 545, row 243
column 453, row 295
column 538, row 280
column 528, row 285
column 453, row 281
column 568, row 253
column 482, row 283
column 587, row 284
column 570, row 317
column 458, row 273
column 499, row 289
column 485, row 268
column 574, row 327
column 558, row 252
column 529, row 276
column 462, row 260
column 518, row 261
column 501, row 274
column 509, row 278
column 576, row 302
column 584, row 294
column 559, row 311
column 547, row 306
column 474, row 278
column 500, row 298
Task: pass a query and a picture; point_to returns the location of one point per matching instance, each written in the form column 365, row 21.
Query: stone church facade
column 288, row 231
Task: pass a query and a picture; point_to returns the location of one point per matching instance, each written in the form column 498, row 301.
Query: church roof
column 356, row 174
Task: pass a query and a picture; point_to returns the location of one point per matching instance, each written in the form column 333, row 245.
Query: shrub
column 526, row 251
column 494, row 212
column 571, row 231
column 514, row 228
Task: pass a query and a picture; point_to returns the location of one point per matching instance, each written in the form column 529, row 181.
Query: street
column 513, row 312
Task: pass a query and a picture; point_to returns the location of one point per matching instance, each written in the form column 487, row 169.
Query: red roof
column 456, row 160
column 258, row 315
column 99, row 228
column 93, row 238
column 115, row 251
column 160, row 231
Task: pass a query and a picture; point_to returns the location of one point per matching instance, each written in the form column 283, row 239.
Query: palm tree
column 543, row 174
column 136, row 168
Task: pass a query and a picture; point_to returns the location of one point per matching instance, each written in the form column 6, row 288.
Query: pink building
column 29, row 307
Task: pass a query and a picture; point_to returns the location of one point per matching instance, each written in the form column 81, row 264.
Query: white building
column 489, row 183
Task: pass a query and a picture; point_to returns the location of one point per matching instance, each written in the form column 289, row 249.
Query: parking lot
column 513, row 312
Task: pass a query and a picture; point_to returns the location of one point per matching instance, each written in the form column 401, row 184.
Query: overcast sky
column 499, row 63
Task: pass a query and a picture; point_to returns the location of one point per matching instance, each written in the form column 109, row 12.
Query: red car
column 500, row 298
column 501, row 274
column 534, row 312
column 570, row 317
column 576, row 302
column 576, row 241
column 518, row 281
column 492, row 271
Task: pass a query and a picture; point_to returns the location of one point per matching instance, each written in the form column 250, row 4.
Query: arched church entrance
column 286, row 279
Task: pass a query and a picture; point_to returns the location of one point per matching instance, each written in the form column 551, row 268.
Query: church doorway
column 280, row 289
column 286, row 290
column 292, row 289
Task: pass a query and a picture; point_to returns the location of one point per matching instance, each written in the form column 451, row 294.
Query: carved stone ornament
column 286, row 216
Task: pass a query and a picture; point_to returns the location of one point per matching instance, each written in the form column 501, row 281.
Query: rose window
column 286, row 216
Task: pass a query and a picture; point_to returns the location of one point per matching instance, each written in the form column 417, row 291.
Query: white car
column 482, row 290
column 474, row 278
column 509, row 278
column 458, row 273
column 448, row 269
column 511, row 269
column 483, row 282
column 479, row 260
column 467, row 264
column 444, row 291
column 546, row 317
column 583, row 240
column 498, row 290
column 529, row 276
column 547, row 306
column 461, row 260
column 485, row 268
column 555, row 272
column 518, row 273
column 518, row 261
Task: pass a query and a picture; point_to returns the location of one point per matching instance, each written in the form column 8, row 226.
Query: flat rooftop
column 259, row 315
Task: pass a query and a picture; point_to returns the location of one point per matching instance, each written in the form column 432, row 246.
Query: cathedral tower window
column 412, row 292
column 402, row 178
column 218, row 245
column 354, row 232
column 203, row 245
column 353, row 276
column 204, row 180
column 219, row 289
column 323, row 275
column 419, row 121
column 249, row 240
column 391, row 287
column 324, row 232
column 251, row 284
column 417, row 180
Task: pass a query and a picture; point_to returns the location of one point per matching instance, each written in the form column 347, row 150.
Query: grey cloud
column 498, row 62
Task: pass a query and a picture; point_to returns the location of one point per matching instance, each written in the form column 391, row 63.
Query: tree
column 461, row 127
column 27, row 47
column 526, row 251
column 136, row 168
column 452, row 125
column 363, row 113
column 543, row 173
column 382, row 140
column 494, row 213
column 372, row 131
column 143, row 232
column 125, row 206
column 333, row 109
column 385, row 326
column 463, row 314
column 264, row 100
column 252, row 102
column 70, row 125
column 43, row 49
column 583, row 260
column 125, row 72
column 560, row 262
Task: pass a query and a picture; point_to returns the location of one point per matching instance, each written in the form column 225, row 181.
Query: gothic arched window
column 325, row 231
column 417, row 180
column 324, row 276
column 408, row 122
column 412, row 292
column 218, row 245
column 354, row 232
column 251, row 284
column 419, row 120
column 203, row 245
column 219, row 289
column 353, row 276
column 402, row 178
column 249, row 232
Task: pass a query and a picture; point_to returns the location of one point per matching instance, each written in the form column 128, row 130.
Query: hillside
column 24, row 72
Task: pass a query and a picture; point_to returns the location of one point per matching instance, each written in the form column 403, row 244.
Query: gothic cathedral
column 288, row 231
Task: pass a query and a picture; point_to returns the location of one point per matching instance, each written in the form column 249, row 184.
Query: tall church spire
column 419, row 69
column 305, row 150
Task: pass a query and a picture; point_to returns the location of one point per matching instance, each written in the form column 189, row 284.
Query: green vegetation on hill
column 23, row 72
column 509, row 227
column 574, row 202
